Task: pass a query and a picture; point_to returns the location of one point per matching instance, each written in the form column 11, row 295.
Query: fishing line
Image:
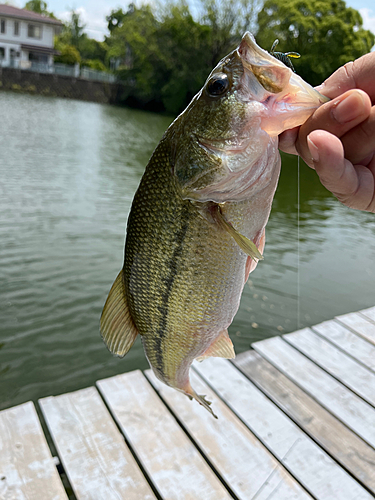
column 298, row 263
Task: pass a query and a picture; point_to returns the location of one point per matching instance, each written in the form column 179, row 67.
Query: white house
column 26, row 37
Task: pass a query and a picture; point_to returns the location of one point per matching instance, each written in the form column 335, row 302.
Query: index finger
column 358, row 74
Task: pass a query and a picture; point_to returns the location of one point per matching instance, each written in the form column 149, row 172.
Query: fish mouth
column 286, row 98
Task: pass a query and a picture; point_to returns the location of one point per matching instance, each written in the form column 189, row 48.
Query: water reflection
column 68, row 172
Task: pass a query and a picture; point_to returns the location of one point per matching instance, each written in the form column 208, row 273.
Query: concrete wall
column 59, row 86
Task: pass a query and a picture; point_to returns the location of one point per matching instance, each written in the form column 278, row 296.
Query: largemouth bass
column 197, row 223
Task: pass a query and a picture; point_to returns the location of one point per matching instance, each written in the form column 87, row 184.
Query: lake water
column 68, row 172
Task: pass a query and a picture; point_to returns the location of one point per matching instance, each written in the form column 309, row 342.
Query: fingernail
column 348, row 108
column 314, row 151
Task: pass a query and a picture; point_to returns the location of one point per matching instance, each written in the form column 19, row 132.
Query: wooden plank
column 360, row 325
column 349, row 342
column 96, row 459
column 299, row 454
column 336, row 398
column 171, row 460
column 340, row 442
column 344, row 368
column 27, row 469
column 237, row 455
column 369, row 313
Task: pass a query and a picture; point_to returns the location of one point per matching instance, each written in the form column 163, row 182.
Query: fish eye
column 218, row 85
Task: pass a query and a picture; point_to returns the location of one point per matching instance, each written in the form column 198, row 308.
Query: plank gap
column 317, row 330
column 129, row 445
column 191, row 438
column 363, row 335
column 290, row 342
column 259, row 347
column 54, row 452
column 259, row 437
column 243, row 358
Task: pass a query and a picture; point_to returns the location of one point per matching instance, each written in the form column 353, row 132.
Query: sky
column 93, row 12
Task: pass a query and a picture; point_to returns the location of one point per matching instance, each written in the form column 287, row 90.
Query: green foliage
column 115, row 19
column 38, row 6
column 166, row 54
column 87, row 48
column 326, row 33
column 92, row 49
column 226, row 25
column 68, row 54
column 94, row 64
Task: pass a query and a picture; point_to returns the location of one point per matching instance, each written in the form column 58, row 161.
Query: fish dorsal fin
column 244, row 243
column 221, row 347
column 116, row 325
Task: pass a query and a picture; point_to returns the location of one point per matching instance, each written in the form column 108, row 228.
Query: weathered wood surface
column 343, row 338
column 341, row 366
column 171, row 460
column 369, row 313
column 338, row 399
column 246, row 466
column 298, row 422
column 27, row 469
column 360, row 324
column 307, row 462
column 96, row 459
column 339, row 441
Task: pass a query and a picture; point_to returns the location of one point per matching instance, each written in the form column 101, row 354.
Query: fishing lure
column 284, row 57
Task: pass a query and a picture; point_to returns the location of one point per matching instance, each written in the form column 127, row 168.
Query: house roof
column 38, row 48
column 10, row 11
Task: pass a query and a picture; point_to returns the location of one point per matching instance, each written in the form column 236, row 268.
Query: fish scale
column 173, row 302
column 197, row 223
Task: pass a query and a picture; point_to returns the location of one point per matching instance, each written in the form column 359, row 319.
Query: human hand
column 338, row 140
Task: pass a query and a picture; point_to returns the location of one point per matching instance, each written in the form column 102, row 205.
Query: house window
column 2, row 53
column 34, row 31
column 2, row 26
column 16, row 28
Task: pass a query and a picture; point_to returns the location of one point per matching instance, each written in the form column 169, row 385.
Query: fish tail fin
column 189, row 391
column 116, row 325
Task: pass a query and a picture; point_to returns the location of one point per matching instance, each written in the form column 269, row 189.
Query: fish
column 196, row 228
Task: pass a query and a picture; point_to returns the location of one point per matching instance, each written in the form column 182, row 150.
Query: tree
column 38, row 6
column 227, row 26
column 166, row 54
column 326, row 33
column 75, row 27
column 116, row 18
column 68, row 54
column 134, row 43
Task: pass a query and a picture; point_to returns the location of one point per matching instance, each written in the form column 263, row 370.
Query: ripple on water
column 68, row 173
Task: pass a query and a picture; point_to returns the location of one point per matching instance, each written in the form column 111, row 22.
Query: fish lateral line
column 246, row 245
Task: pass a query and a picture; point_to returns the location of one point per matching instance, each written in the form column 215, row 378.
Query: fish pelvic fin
column 116, row 325
column 244, row 243
column 221, row 347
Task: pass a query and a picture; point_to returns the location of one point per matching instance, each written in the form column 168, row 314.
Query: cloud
column 96, row 25
column 368, row 17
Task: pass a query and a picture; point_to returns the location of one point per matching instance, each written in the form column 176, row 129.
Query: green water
column 68, row 172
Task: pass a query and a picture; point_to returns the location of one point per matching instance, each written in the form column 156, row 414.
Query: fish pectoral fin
column 116, row 325
column 221, row 347
column 244, row 243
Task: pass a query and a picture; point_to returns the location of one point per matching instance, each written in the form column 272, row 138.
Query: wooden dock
column 296, row 421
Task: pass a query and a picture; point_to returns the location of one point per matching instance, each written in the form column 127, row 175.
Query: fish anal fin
column 116, row 325
column 221, row 347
